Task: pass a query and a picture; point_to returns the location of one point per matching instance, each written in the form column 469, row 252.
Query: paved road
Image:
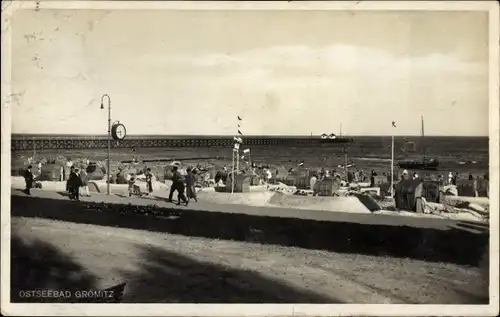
column 371, row 219
column 166, row 268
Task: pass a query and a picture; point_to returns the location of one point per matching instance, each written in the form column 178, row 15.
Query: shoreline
column 262, row 197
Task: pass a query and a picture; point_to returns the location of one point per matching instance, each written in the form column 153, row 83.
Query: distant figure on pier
column 28, row 178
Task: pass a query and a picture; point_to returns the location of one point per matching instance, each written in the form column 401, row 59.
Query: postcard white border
column 255, row 309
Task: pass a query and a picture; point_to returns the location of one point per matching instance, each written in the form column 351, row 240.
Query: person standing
column 454, row 179
column 268, row 176
column 149, row 181
column 67, row 177
column 177, row 185
column 28, row 178
column 74, row 184
column 441, row 179
column 39, row 165
column 190, row 185
column 69, row 166
column 312, row 183
column 85, row 183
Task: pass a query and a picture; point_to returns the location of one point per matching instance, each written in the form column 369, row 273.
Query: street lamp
column 109, row 138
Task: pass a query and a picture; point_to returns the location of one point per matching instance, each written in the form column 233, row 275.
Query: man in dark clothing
column 74, row 184
column 71, row 171
column 28, row 177
column 149, row 181
column 471, row 177
column 177, row 185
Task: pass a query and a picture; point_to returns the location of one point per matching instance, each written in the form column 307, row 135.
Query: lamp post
column 109, row 139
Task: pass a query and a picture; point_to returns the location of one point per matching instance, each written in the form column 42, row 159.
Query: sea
column 456, row 154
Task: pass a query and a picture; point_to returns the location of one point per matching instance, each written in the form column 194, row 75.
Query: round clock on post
column 118, row 131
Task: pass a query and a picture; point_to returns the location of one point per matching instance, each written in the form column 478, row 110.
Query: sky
column 284, row 72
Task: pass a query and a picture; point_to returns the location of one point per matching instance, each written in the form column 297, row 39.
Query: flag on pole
column 238, row 139
column 239, row 118
column 246, row 151
column 394, row 124
column 240, row 132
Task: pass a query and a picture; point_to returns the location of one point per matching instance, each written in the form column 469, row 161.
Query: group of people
column 77, row 182
column 181, row 184
column 134, row 189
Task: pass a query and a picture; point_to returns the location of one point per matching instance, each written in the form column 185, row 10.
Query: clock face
column 120, row 132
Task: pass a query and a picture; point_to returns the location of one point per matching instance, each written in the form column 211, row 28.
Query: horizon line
column 248, row 135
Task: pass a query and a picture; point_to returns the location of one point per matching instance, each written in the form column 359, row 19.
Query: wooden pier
column 52, row 142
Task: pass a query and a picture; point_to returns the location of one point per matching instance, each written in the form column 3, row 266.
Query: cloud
column 334, row 59
column 276, row 88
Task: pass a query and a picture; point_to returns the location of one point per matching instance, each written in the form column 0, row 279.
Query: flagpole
column 237, row 160
column 232, row 172
column 392, row 164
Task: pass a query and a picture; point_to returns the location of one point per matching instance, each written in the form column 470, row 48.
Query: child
column 133, row 189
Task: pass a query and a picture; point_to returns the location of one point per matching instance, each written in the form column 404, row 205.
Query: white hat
column 405, row 172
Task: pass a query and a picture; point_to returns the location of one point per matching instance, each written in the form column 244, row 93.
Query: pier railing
column 97, row 142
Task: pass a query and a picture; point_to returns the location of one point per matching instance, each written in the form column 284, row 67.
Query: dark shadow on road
column 428, row 244
column 168, row 277
column 36, row 265
column 64, row 194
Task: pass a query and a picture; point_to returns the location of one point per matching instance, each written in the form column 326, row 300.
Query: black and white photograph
column 243, row 152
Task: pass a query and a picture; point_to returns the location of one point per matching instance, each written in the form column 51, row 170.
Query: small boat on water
column 425, row 163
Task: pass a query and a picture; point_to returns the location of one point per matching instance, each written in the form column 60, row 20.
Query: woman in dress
column 190, row 184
